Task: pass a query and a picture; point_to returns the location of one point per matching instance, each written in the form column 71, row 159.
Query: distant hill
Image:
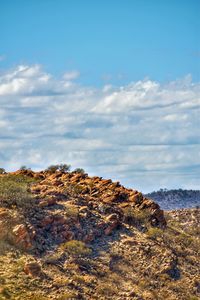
column 176, row 199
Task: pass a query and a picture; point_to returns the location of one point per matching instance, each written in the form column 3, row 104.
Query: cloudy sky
column 109, row 86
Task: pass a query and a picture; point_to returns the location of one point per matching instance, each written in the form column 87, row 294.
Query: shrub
column 155, row 233
column 79, row 170
column 193, row 298
column 71, row 211
column 2, row 171
column 24, row 168
column 4, row 292
column 136, row 217
column 54, row 168
column 73, row 189
column 68, row 296
column 64, row 167
column 76, row 248
column 106, row 289
column 13, row 190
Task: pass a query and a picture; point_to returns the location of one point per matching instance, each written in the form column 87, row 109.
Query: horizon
column 112, row 88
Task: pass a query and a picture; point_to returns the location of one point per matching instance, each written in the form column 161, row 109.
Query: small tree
column 79, row 170
column 2, row 171
column 24, row 168
column 61, row 168
column 52, row 168
column 64, row 167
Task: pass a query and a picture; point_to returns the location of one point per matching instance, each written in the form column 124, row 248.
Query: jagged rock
column 22, row 236
column 43, row 203
column 112, row 218
column 113, row 222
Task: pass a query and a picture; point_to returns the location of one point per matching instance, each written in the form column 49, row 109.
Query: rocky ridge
column 75, row 206
column 71, row 236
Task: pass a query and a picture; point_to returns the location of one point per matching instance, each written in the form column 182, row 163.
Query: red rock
column 59, row 219
column 51, row 201
column 89, row 238
column 22, row 236
column 43, row 203
column 136, row 199
column 112, row 218
column 111, row 226
column 68, row 235
column 33, row 269
column 4, row 213
column 46, row 221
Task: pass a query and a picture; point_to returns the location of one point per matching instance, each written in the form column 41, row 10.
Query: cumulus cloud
column 145, row 134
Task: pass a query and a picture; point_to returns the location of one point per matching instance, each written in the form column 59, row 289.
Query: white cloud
column 71, row 75
column 145, row 133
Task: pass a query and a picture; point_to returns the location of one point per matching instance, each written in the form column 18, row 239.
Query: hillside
column 176, row 199
column 70, row 236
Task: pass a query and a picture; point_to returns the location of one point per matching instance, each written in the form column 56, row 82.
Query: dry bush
column 136, row 217
column 14, row 191
column 76, row 248
column 68, row 296
column 154, row 233
column 71, row 211
column 106, row 289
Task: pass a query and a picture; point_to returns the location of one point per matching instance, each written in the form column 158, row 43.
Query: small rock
column 33, row 269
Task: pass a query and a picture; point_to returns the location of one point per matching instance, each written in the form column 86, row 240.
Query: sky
column 109, row 86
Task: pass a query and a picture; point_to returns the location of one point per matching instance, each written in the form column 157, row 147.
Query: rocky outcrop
column 75, row 206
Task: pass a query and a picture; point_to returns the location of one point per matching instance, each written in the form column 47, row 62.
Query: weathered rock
column 68, row 235
column 22, row 236
column 33, row 269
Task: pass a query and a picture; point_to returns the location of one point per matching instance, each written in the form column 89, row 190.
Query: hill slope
column 70, row 236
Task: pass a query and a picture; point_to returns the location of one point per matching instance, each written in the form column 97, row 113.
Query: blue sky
column 111, row 86
column 115, row 40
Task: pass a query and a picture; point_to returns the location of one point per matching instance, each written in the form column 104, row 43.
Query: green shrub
column 24, row 168
column 68, row 296
column 73, row 189
column 72, row 211
column 79, row 170
column 76, row 248
column 154, row 233
column 136, row 217
column 107, row 289
column 193, row 298
column 61, row 167
column 2, row 171
column 4, row 293
column 14, row 190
